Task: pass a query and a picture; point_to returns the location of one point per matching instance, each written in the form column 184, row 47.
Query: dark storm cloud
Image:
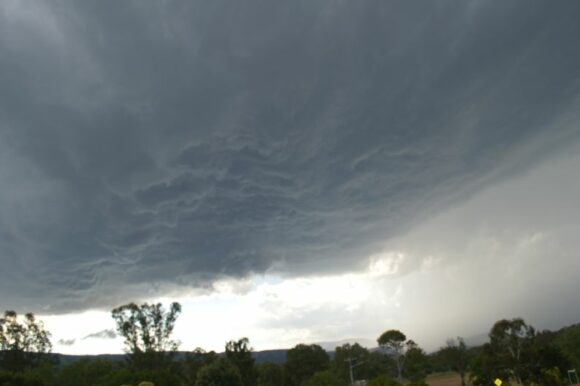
column 153, row 144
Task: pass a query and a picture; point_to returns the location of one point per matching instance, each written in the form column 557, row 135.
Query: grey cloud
column 510, row 251
column 147, row 146
column 67, row 342
column 104, row 334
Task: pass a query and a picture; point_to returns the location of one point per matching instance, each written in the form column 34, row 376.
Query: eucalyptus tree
column 147, row 330
column 395, row 344
column 240, row 354
column 455, row 356
column 22, row 344
column 303, row 361
column 513, row 341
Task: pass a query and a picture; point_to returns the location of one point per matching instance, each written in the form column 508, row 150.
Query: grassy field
column 445, row 379
column 449, row 379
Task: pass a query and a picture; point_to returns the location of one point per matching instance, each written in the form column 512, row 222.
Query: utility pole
column 573, row 376
column 350, row 367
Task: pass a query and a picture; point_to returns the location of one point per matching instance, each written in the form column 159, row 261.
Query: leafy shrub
column 324, row 378
column 552, row 377
column 383, row 380
column 417, row 383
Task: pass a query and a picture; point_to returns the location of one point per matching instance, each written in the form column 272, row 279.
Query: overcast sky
column 299, row 172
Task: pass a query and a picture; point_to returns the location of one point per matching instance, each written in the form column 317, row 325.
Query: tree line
column 516, row 353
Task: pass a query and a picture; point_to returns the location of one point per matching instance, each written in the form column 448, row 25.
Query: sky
column 311, row 171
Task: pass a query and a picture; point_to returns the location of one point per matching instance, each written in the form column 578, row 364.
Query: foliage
column 41, row 375
column 395, row 343
column 219, row 373
column 357, row 355
column 512, row 341
column 455, row 355
column 22, row 344
column 85, row 372
column 549, row 359
column 377, row 364
column 18, row 379
column 303, row 361
column 240, row 354
column 486, row 367
column 417, row 383
column 45, row 372
column 552, row 377
column 147, row 331
column 125, row 376
column 383, row 380
column 270, row 374
column 568, row 340
column 415, row 363
column 324, row 378
column 393, row 340
column 194, row 361
column 517, row 353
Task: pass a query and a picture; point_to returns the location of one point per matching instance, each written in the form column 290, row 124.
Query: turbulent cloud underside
column 148, row 147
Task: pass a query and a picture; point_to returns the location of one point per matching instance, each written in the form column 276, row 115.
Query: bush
column 417, row 383
column 383, row 380
column 15, row 379
column 270, row 374
column 324, row 378
column 219, row 373
column 85, row 372
column 552, row 377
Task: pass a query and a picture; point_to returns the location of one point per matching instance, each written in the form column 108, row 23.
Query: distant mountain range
column 331, row 346
column 279, row 355
column 274, row 356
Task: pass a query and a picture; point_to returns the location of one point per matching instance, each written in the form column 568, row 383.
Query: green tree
column 551, row 377
column 219, row 373
column 511, row 355
column 417, row 383
column 19, row 379
column 416, row 362
column 147, row 331
column 376, row 364
column 270, row 374
column 324, row 378
column 240, row 354
column 550, row 361
column 167, row 376
column 512, row 341
column 46, row 372
column 22, row 344
column 383, row 380
column 487, row 366
column 455, row 355
column 303, row 361
column 194, row 361
column 349, row 355
column 568, row 340
column 395, row 344
column 85, row 372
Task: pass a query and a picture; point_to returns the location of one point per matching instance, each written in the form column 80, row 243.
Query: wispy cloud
column 104, row 334
column 67, row 342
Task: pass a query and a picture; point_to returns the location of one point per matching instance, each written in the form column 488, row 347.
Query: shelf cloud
column 150, row 148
